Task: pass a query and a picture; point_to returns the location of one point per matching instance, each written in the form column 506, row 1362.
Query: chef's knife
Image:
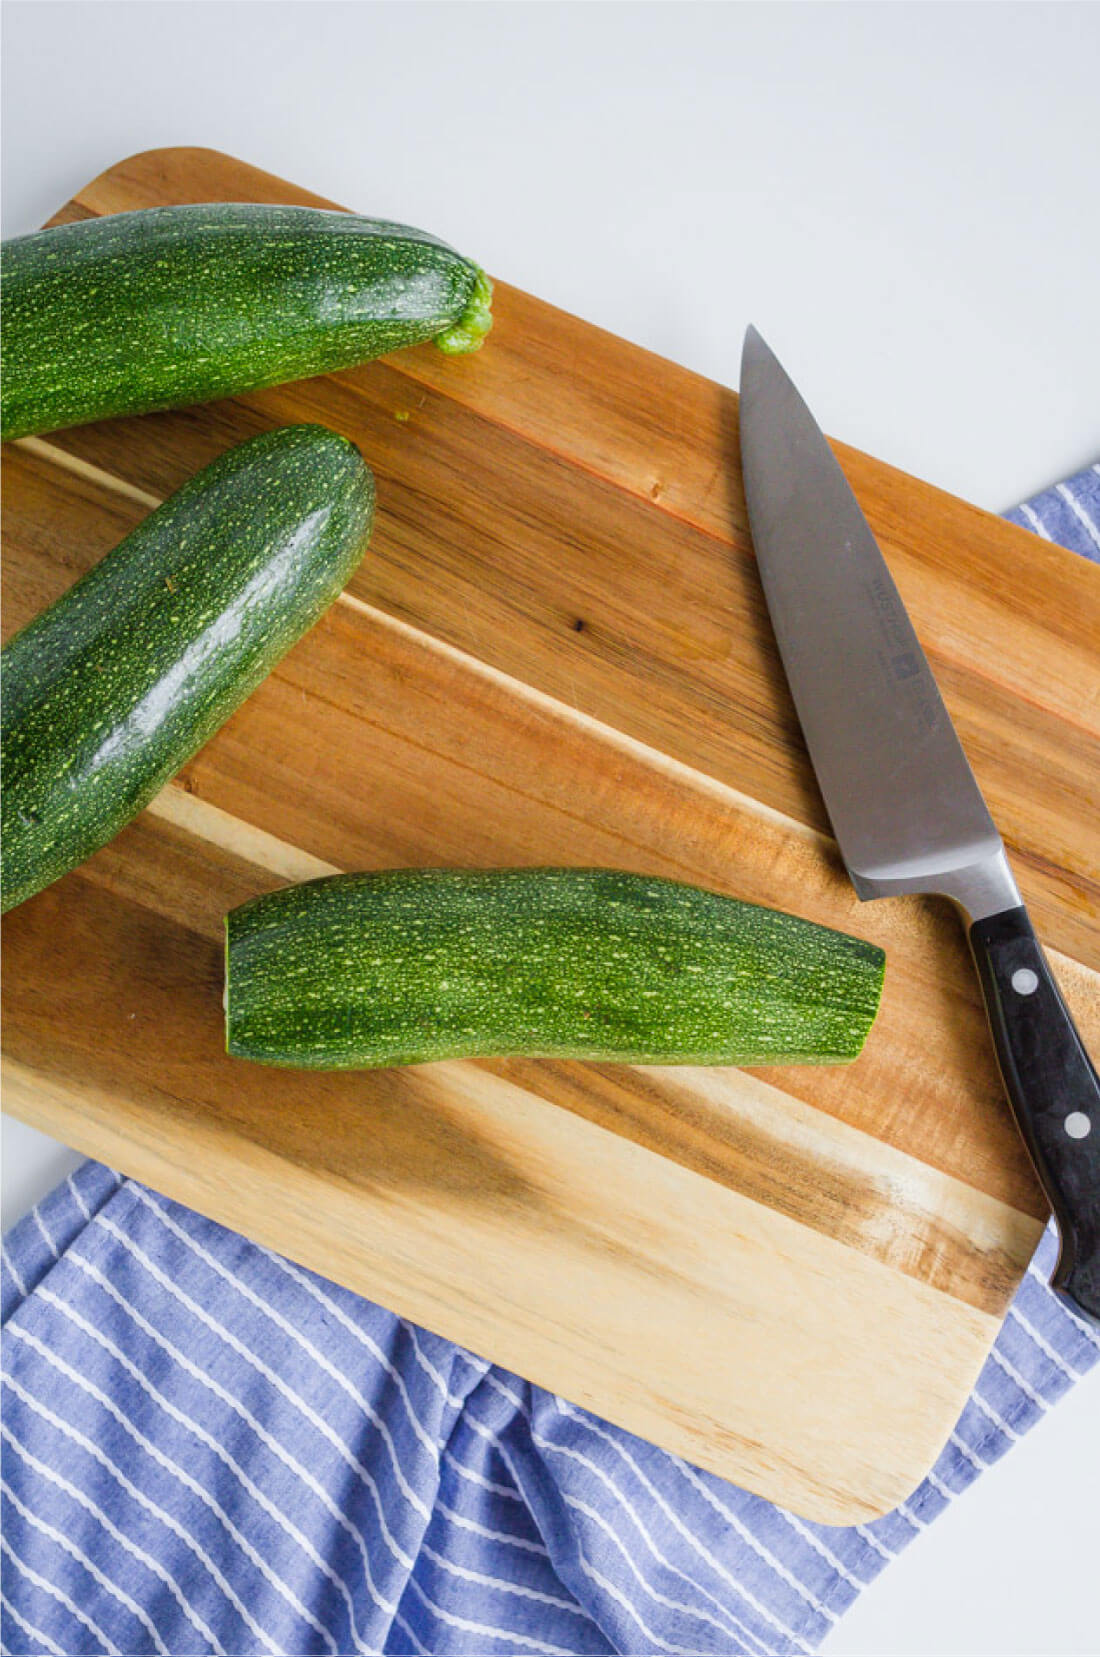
column 904, row 806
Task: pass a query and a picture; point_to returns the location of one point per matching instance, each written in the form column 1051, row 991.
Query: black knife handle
column 1053, row 1089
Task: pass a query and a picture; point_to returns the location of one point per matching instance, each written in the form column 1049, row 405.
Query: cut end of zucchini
column 225, row 983
column 468, row 333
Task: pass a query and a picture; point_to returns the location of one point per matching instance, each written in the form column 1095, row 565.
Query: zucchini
column 111, row 690
column 409, row 965
column 175, row 305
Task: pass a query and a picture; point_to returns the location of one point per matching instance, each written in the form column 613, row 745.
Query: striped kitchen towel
column 206, row 1448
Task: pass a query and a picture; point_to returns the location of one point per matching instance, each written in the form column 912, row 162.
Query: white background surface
column 902, row 197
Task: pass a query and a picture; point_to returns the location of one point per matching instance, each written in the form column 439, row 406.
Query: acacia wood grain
column 557, row 651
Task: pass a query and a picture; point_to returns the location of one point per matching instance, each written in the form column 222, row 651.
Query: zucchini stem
column 468, row 333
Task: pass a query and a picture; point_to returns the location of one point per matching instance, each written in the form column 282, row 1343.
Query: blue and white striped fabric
column 1068, row 513
column 207, row 1449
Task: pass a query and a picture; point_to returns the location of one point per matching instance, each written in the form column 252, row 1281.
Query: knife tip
column 754, row 350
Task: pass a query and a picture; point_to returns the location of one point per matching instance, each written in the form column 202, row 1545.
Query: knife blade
column 903, row 802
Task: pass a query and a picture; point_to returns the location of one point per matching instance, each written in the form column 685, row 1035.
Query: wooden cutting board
column 557, row 651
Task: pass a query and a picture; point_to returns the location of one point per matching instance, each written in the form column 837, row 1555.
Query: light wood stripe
column 56, row 456
column 208, row 822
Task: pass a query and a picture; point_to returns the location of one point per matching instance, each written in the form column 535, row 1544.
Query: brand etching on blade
column 899, row 660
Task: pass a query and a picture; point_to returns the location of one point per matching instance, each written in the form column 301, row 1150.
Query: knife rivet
column 1077, row 1124
column 1024, row 981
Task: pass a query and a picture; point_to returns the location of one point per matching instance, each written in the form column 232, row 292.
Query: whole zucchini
column 410, row 965
column 111, row 690
column 176, row 305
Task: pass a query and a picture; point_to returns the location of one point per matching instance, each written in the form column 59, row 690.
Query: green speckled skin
column 111, row 690
column 411, row 965
column 178, row 305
